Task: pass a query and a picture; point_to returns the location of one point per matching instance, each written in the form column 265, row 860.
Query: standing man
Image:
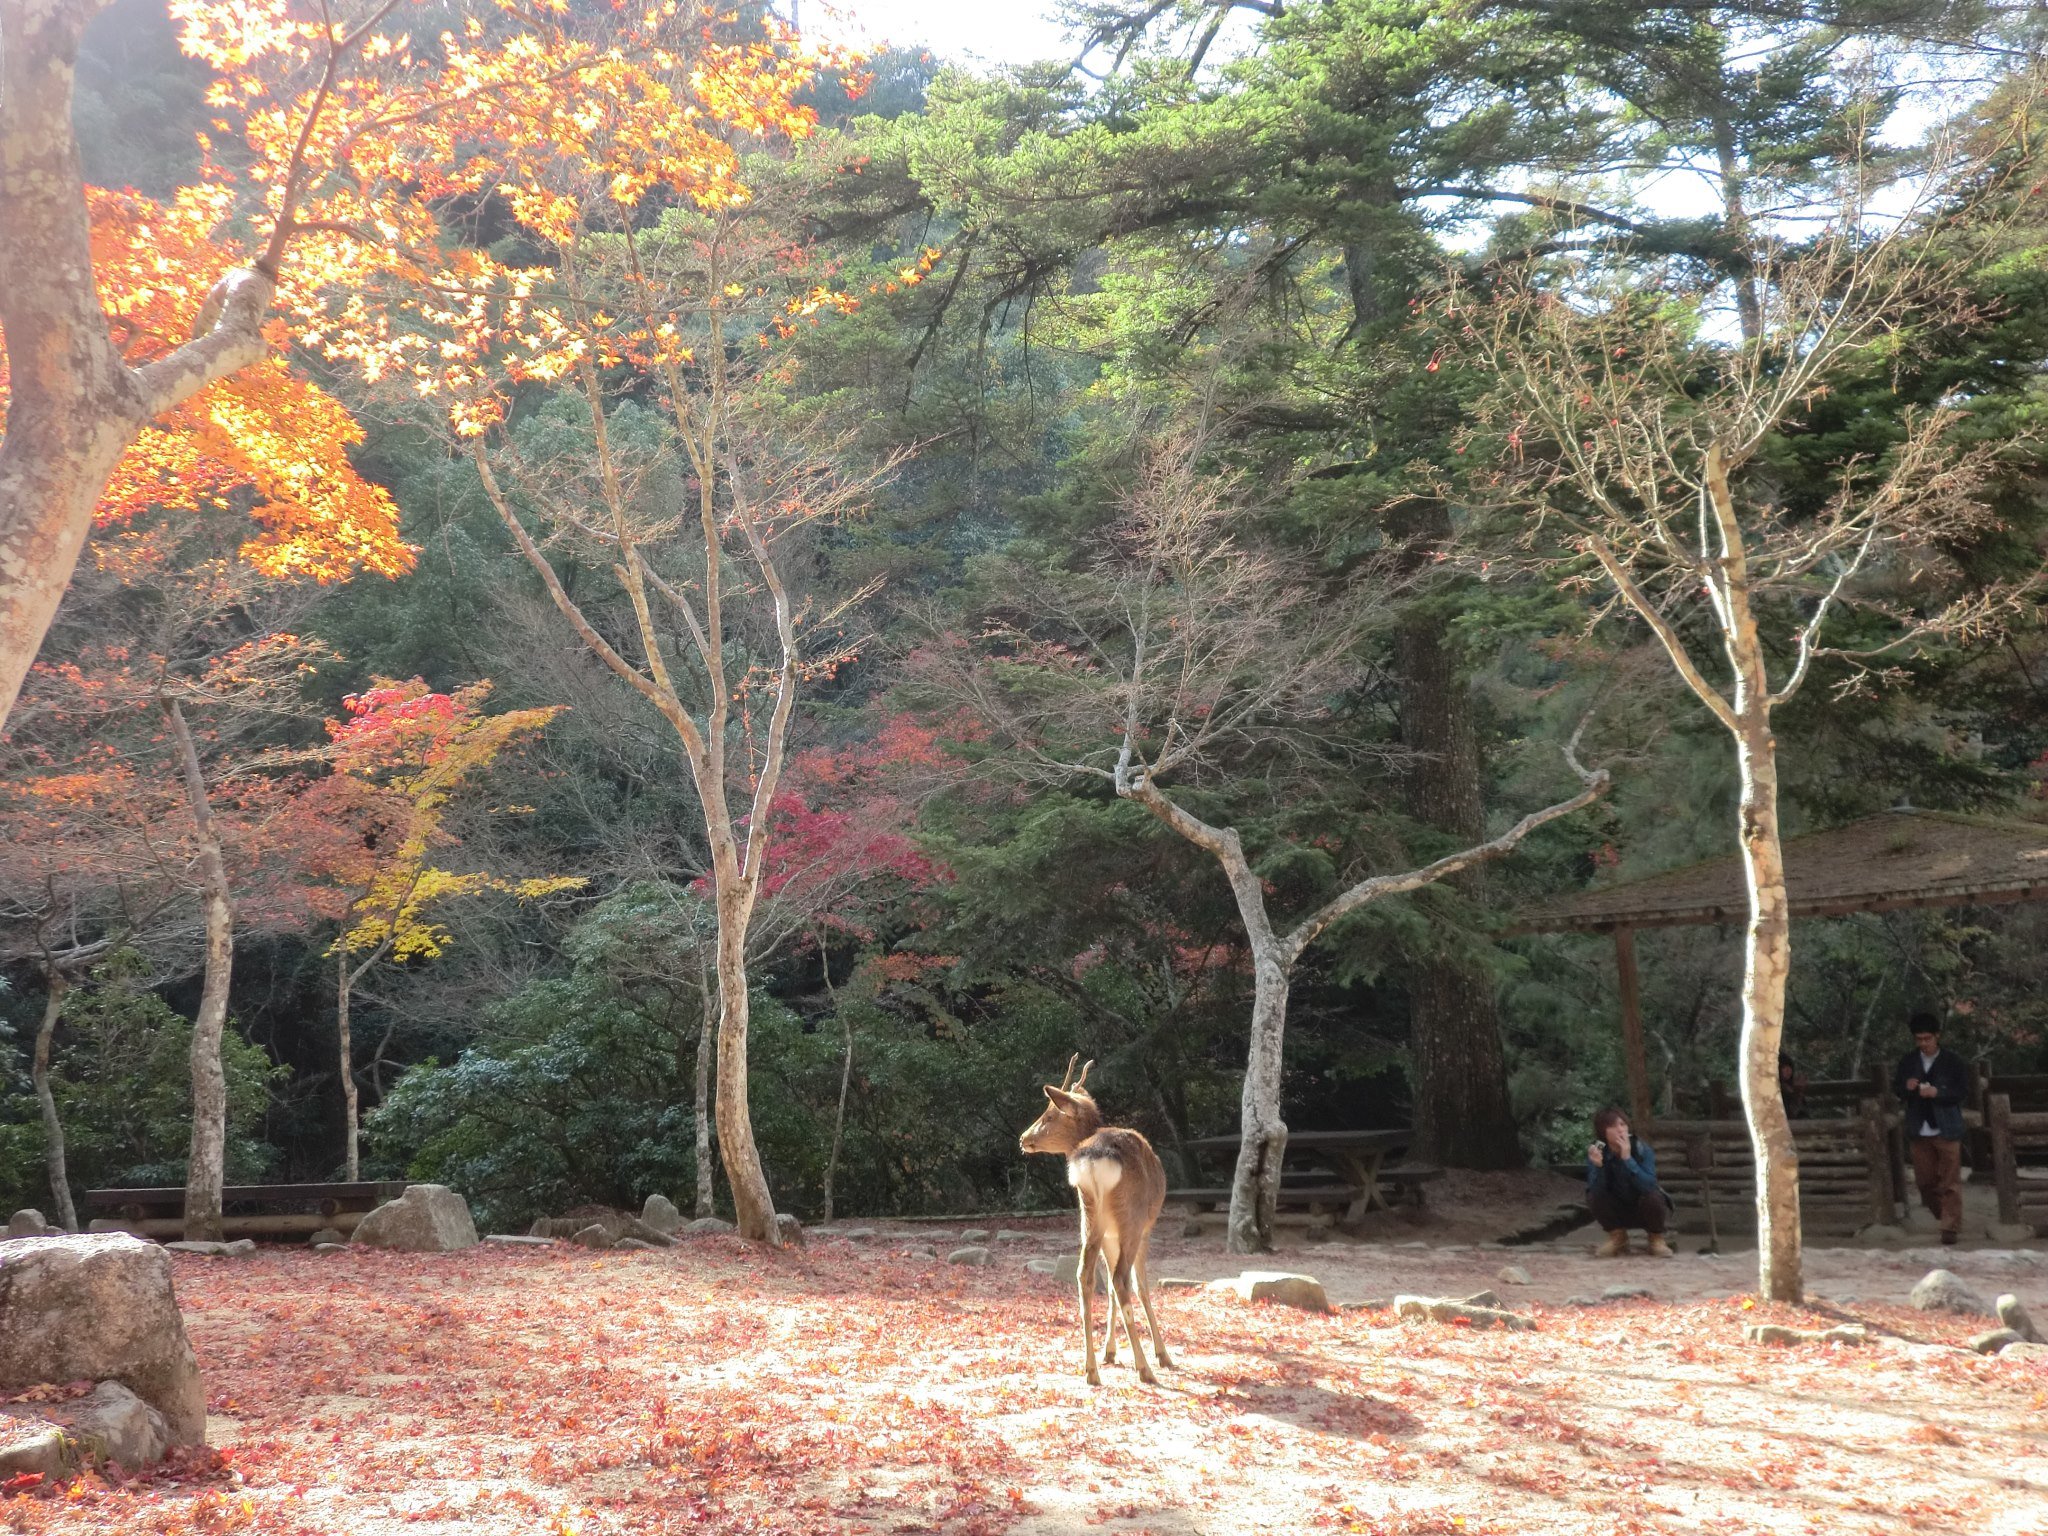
column 1932, row 1084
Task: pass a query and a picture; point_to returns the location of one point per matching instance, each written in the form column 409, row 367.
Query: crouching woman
column 1622, row 1188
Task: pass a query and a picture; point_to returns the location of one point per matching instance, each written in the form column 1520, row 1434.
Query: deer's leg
column 1120, row 1300
column 1109, row 1261
column 1145, row 1296
column 1091, row 1253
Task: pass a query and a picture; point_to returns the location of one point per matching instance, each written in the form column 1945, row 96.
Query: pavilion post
column 1632, row 1047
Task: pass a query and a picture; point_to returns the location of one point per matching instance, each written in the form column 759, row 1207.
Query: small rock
column 1278, row 1287
column 1943, row 1291
column 510, row 1240
column 920, row 1251
column 241, row 1247
column 427, row 1218
column 2014, row 1316
column 592, row 1236
column 1005, row 1235
column 113, row 1424
column 789, row 1232
column 1513, row 1274
column 330, row 1247
column 328, row 1237
column 29, row 1447
column 711, row 1224
column 1883, row 1234
column 1043, row 1266
column 636, row 1245
column 1627, row 1293
column 1991, row 1343
column 2024, row 1351
column 661, row 1214
column 1778, row 1333
column 2011, row 1232
column 1582, row 1301
column 857, row 1232
column 1480, row 1299
column 200, row 1246
column 1192, row 1227
column 974, row 1235
column 1176, row 1283
column 1447, row 1310
column 973, row 1253
column 27, row 1222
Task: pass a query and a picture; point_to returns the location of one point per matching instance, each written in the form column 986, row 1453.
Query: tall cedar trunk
column 753, row 1209
column 206, row 1171
column 343, row 986
column 74, row 405
column 1462, row 1117
column 1262, row 1143
column 703, row 1118
column 1767, row 957
column 53, row 1128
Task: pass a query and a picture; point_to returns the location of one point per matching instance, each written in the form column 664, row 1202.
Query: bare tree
column 1184, row 654
column 1636, row 424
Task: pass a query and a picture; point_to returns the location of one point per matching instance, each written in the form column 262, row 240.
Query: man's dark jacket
column 1951, row 1079
column 1626, row 1179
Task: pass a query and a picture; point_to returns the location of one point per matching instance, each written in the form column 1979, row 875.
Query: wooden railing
column 2019, row 1140
column 1848, row 1177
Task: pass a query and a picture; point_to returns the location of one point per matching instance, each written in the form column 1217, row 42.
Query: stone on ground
column 99, row 1308
column 1446, row 1309
column 1007, row 1235
column 511, row 1240
column 1994, row 1341
column 32, row 1448
column 427, row 1218
column 1778, row 1333
column 112, row 1424
column 1943, row 1290
column 2014, row 1316
column 2011, row 1232
column 661, row 1214
column 616, row 1224
column 635, row 1245
column 789, row 1232
column 1043, row 1266
column 28, row 1222
column 709, row 1225
column 2024, row 1351
column 1276, row 1286
column 328, row 1237
column 592, row 1236
column 1627, row 1293
column 920, row 1251
column 1513, row 1274
column 973, row 1253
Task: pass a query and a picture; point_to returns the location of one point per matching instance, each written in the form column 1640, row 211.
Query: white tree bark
column 703, row 1116
column 206, row 1172
column 53, row 1128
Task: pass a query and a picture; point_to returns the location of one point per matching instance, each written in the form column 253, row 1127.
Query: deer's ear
column 1059, row 1096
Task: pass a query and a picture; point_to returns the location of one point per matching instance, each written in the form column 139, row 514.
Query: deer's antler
column 1067, row 1082
column 1083, row 1078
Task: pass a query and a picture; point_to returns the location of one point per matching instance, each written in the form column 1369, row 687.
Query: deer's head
column 1070, row 1117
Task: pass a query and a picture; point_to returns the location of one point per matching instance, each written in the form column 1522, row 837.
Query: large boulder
column 661, row 1214
column 1277, row 1287
column 427, row 1218
column 99, row 1308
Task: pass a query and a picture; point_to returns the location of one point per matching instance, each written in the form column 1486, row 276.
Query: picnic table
column 1347, row 1168
column 247, row 1210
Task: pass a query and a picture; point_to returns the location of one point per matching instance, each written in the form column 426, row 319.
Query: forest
column 692, row 609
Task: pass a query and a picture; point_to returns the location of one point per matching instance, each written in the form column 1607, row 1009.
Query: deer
column 1121, row 1186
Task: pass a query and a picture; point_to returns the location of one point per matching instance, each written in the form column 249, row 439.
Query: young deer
column 1121, row 1186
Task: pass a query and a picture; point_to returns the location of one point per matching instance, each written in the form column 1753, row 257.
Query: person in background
column 1791, row 1087
column 1932, row 1084
column 1622, row 1188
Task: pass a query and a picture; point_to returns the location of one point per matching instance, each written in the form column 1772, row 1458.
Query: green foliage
column 121, row 1076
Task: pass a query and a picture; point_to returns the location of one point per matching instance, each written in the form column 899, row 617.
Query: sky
column 991, row 31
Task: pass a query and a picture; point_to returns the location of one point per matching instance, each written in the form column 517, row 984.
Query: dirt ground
column 856, row 1387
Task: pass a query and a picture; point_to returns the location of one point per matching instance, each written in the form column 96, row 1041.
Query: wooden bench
column 1845, row 1170
column 1316, row 1199
column 247, row 1210
column 2019, row 1160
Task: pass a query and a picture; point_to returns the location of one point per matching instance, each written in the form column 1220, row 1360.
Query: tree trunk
column 1463, row 1117
column 1262, row 1144
column 206, row 1171
column 1767, row 959
column 350, row 1108
column 53, row 1128
column 845, row 1078
column 74, row 405
column 704, row 1202
column 753, row 1207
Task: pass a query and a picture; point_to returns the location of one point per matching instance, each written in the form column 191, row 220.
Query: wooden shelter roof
column 1901, row 858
